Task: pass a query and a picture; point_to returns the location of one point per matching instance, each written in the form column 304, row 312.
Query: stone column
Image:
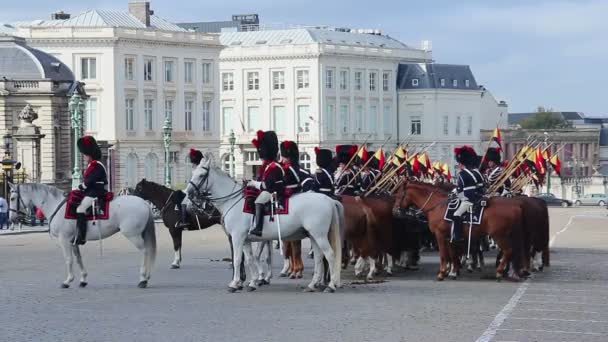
column 28, row 143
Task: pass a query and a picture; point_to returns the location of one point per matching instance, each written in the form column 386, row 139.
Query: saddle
column 101, row 205
column 477, row 208
column 252, row 193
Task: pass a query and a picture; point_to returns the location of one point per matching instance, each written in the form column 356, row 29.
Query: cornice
column 268, row 57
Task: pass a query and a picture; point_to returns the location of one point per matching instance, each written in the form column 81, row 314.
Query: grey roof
column 309, row 36
column 105, row 18
column 517, row 118
column 429, row 76
column 211, row 26
column 21, row 62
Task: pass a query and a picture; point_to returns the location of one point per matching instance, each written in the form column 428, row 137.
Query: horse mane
column 158, row 186
column 428, row 187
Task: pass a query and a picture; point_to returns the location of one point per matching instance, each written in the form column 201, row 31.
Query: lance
column 361, row 169
column 354, row 155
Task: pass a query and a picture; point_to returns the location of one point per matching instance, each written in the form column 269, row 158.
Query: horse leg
column 297, row 255
column 443, row 257
column 390, row 263
column 83, row 271
column 176, row 236
column 68, row 258
column 328, row 252
column 257, row 257
column 266, row 280
column 286, row 261
column 504, row 260
column 252, row 264
column 138, row 241
column 372, row 269
column 237, row 256
column 316, row 277
column 359, row 266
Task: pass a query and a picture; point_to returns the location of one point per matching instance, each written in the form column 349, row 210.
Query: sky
column 530, row 53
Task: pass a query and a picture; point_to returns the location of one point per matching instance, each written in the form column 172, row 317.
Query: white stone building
column 318, row 87
column 138, row 69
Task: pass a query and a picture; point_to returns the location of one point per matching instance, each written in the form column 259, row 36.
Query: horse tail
column 149, row 236
column 335, row 239
column 517, row 241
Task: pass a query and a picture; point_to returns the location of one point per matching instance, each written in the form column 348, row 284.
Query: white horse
column 310, row 215
column 130, row 215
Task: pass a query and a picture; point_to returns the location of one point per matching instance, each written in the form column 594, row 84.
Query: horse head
column 140, row 188
column 199, row 182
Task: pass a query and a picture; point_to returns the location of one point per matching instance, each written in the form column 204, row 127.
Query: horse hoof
column 440, row 277
column 309, row 289
column 240, row 287
column 452, row 277
column 369, row 278
column 65, row 286
column 389, row 273
column 541, row 268
column 83, row 284
column 265, row 282
column 292, row 276
column 174, row 267
column 283, row 275
column 251, row 288
column 329, row 290
column 299, row 276
column 142, row 284
column 231, row 290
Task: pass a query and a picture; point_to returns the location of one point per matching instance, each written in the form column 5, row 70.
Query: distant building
column 239, row 23
column 575, row 118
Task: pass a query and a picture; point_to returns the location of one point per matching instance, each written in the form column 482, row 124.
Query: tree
column 545, row 118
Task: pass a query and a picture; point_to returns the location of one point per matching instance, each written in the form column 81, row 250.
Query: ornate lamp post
column 167, row 131
column 76, row 107
column 232, row 141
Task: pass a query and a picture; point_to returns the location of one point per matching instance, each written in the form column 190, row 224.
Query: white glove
column 455, row 191
column 255, row 184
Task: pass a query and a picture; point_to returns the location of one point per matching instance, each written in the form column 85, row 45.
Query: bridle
column 206, row 196
column 18, row 211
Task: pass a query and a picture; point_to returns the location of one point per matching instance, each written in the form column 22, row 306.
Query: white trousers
column 86, row 203
column 263, row 198
column 463, row 208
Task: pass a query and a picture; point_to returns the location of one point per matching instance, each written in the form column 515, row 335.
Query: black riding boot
column 183, row 221
column 259, row 220
column 81, row 231
column 457, row 233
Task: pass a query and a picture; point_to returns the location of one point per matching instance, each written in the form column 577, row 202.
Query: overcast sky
column 528, row 52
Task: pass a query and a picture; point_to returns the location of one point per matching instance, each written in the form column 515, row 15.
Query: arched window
column 226, row 163
column 151, row 167
column 131, row 179
column 305, row 161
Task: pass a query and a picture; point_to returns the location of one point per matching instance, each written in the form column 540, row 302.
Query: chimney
column 141, row 11
column 61, row 15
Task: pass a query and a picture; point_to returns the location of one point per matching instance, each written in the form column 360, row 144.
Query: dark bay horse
column 502, row 220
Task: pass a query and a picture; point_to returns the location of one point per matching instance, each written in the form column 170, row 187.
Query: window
column 303, row 79
column 131, row 170
column 305, row 161
column 343, row 79
column 469, row 125
column 303, row 120
column 279, row 119
column 359, row 113
column 372, row 81
column 331, row 119
column 329, row 78
column 227, row 81
column 169, row 110
column 189, row 72
column 455, row 83
column 358, row 80
column 344, row 118
column 129, row 114
column 148, row 69
column 88, row 68
column 169, row 71
column 91, row 115
column 466, row 83
column 373, row 119
column 253, row 81
column 206, row 119
column 151, row 167
column 442, row 81
column 415, row 125
column 386, row 81
column 148, row 114
column 227, row 120
column 414, row 82
column 253, row 119
column 457, row 125
column 225, row 163
column 207, row 75
column 387, row 119
column 129, row 68
column 278, row 80
column 445, row 125
column 188, row 113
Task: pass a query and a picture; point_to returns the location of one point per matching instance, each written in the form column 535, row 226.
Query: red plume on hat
column 256, row 141
column 317, row 149
column 192, row 152
column 353, row 150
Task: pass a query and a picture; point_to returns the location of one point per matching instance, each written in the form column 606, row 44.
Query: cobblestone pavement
column 569, row 301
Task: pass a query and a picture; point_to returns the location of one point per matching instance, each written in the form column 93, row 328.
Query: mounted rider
column 297, row 179
column 323, row 176
column 345, row 182
column 469, row 188
column 270, row 177
column 495, row 171
column 370, row 174
column 195, row 157
column 93, row 186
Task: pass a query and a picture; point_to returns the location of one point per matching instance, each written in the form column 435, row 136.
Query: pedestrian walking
column 3, row 213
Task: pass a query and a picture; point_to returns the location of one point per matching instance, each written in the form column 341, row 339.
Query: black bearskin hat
column 195, row 156
column 345, row 152
column 466, row 156
column 88, row 146
column 267, row 145
column 289, row 150
column 375, row 163
column 324, row 157
column 493, row 155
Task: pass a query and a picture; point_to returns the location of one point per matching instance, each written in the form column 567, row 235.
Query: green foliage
column 545, row 118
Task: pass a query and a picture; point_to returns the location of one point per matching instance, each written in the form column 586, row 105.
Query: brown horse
column 293, row 266
column 502, row 220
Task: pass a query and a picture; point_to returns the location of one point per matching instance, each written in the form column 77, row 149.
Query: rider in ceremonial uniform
column 345, row 182
column 470, row 186
column 195, row 158
column 297, row 179
column 370, row 173
column 495, row 170
column 270, row 176
column 323, row 176
column 93, row 184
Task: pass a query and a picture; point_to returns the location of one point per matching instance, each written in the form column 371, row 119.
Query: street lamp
column 167, row 131
column 76, row 107
column 232, row 141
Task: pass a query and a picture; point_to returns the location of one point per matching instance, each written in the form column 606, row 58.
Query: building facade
column 138, row 70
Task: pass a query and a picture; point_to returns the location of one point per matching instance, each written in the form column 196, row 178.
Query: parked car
column 592, row 199
column 551, row 200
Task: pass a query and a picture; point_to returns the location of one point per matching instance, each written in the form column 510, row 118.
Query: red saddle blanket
column 249, row 207
column 74, row 200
